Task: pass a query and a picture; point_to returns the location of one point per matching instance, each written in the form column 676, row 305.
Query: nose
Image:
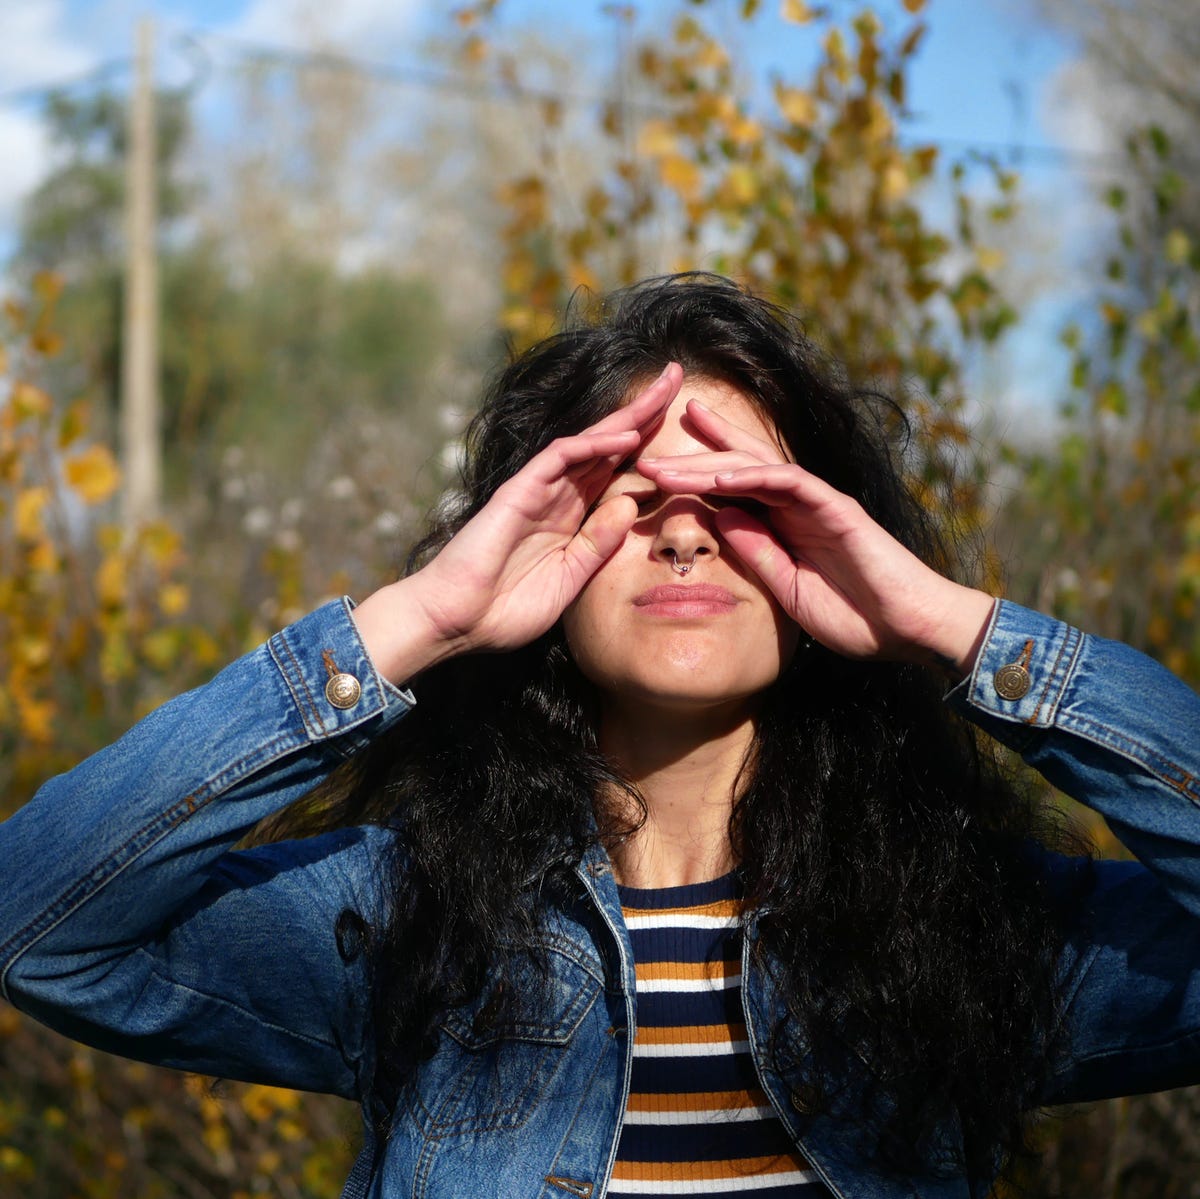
column 685, row 534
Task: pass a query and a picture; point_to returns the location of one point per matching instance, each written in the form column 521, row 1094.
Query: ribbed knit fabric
column 697, row 1122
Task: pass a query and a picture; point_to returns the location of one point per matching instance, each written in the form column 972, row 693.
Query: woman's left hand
column 840, row 576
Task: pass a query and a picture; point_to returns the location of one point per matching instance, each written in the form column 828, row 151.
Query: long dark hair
column 887, row 860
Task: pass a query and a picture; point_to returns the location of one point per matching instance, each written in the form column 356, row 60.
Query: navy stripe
column 702, row 1142
column 680, row 1075
column 685, row 945
column 728, row 886
column 667, row 1009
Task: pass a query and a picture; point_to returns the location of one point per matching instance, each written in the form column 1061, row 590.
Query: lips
column 696, row 599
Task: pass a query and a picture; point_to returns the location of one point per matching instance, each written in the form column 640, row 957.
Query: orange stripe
column 690, row 1034
column 696, row 1101
column 687, row 971
column 740, row 1167
column 721, row 907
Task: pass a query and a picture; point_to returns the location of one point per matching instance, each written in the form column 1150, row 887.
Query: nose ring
column 682, row 568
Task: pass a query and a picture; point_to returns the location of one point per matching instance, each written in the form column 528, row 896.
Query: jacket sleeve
column 128, row 921
column 1120, row 733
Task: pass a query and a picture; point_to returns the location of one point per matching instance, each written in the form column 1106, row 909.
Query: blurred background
column 258, row 257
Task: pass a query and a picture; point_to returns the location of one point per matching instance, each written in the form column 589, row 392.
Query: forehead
column 677, row 435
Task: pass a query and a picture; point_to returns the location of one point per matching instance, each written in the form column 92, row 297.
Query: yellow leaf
column 173, row 599
column 93, row 474
column 47, row 285
column 743, row 184
column 796, row 11
column 35, row 717
column 745, row 131
column 73, row 424
column 894, row 182
column 474, row 49
column 111, row 581
column 914, row 6
column 681, row 174
column 990, row 259
column 28, row 512
column 47, row 342
column 579, row 275
column 33, row 652
column 43, row 558
column 1179, row 247
column 28, row 401
column 798, row 107
column 656, row 139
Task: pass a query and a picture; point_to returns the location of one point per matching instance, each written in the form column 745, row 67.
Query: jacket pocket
column 491, row 1071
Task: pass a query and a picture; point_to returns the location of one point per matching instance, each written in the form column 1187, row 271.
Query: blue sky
column 987, row 75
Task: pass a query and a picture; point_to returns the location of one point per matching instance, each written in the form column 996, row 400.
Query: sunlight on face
column 644, row 634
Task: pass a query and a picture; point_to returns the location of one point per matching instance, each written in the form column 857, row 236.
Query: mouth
column 683, row 601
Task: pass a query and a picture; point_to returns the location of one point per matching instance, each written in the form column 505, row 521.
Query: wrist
column 953, row 639
column 399, row 633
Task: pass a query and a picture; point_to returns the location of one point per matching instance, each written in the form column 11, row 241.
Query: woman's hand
column 842, row 578
column 509, row 573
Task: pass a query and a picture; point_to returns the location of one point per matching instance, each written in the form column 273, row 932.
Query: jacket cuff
column 1023, row 668
column 332, row 680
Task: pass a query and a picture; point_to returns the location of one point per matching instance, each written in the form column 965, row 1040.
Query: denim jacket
column 129, row 921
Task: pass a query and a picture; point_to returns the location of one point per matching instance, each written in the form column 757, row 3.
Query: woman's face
column 643, row 633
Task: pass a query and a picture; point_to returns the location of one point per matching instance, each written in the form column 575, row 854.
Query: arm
column 128, row 921
column 1099, row 720
column 1117, row 731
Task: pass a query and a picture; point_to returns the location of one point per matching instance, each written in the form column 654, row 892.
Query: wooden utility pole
column 140, row 422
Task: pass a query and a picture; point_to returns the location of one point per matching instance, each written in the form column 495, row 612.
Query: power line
column 38, row 92
column 192, row 45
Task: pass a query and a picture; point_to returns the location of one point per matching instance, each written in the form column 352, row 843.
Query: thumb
column 601, row 535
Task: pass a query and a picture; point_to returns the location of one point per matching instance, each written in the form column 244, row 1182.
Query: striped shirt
column 697, row 1122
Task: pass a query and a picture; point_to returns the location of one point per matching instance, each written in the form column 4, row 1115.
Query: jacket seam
column 314, row 726
column 1071, row 640
column 1133, row 750
column 146, row 837
column 292, row 1033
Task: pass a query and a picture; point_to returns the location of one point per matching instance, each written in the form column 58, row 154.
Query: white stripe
column 711, row 1186
column 714, row 1115
column 692, row 1049
column 676, row 921
column 645, row 985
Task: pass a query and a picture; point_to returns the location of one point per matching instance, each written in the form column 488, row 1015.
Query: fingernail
column 726, row 474
column 702, row 407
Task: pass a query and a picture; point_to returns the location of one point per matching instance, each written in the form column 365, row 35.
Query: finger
column 560, row 455
column 785, row 479
column 647, row 405
column 757, row 547
column 709, row 462
column 726, row 435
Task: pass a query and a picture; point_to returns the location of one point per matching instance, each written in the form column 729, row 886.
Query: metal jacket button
column 343, row 690
column 1012, row 681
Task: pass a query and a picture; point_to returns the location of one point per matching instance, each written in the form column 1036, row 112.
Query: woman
column 681, row 876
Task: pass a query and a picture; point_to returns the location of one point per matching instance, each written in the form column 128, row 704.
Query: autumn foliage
column 806, row 189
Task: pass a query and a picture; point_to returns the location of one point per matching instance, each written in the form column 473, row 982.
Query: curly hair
column 899, row 910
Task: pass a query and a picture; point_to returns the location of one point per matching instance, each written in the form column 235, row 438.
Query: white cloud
column 36, row 47
column 25, row 154
column 374, row 27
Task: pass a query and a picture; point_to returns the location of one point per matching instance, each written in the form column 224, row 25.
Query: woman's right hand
column 511, row 570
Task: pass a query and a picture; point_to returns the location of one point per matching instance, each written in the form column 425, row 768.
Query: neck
column 686, row 767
